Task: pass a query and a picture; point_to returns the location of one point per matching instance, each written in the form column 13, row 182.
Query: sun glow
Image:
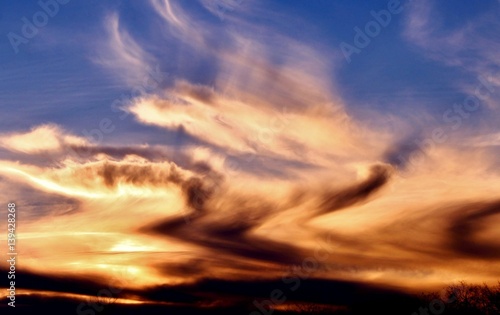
column 130, row 246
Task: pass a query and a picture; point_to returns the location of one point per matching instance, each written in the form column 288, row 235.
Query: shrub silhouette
column 470, row 299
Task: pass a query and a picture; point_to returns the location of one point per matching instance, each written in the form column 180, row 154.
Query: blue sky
column 59, row 76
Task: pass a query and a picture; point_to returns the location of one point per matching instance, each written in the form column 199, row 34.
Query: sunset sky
column 207, row 147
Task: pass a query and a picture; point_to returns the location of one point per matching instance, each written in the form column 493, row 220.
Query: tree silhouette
column 469, row 299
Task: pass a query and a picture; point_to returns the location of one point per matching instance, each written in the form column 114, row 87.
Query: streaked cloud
column 44, row 138
column 122, row 54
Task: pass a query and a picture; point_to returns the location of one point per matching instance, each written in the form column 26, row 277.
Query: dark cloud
column 469, row 221
column 201, row 93
column 336, row 200
column 233, row 234
column 405, row 152
column 231, row 237
column 59, row 283
column 139, row 175
column 210, row 290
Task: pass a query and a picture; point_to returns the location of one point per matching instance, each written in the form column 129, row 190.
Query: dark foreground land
column 458, row 299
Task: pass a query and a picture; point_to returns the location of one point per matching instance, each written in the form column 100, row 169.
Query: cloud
column 471, row 235
column 179, row 24
column 122, row 54
column 424, row 29
column 43, row 138
column 69, row 293
column 347, row 197
column 278, row 162
column 468, row 46
column 486, row 140
column 104, row 176
column 274, row 114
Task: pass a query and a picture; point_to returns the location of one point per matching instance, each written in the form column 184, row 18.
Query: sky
column 214, row 145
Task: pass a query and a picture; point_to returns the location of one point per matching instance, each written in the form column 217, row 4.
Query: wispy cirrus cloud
column 469, row 46
column 455, row 45
column 179, row 24
column 122, row 54
column 486, row 140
